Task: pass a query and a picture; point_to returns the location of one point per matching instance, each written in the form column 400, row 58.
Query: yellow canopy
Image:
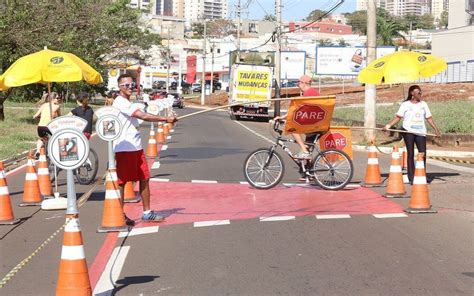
column 400, row 67
column 3, row 87
column 48, row 66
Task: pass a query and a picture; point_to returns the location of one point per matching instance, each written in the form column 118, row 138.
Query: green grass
column 451, row 117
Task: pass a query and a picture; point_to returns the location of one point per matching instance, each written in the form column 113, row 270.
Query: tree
column 387, row 30
column 443, row 22
column 342, row 42
column 198, row 30
column 426, row 22
column 99, row 32
column 315, row 15
column 270, row 18
column 221, row 28
column 358, row 21
column 324, row 42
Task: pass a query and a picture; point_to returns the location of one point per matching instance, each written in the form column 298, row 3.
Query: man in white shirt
column 129, row 155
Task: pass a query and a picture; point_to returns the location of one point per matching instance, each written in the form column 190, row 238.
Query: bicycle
column 331, row 169
column 85, row 174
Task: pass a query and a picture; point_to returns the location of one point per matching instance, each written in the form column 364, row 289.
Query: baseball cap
column 305, row 79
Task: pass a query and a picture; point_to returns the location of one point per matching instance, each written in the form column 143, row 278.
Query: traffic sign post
column 108, row 128
column 68, row 149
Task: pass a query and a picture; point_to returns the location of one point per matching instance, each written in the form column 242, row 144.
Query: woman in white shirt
column 414, row 111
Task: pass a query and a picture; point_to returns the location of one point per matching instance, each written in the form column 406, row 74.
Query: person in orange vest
column 129, row 155
column 414, row 110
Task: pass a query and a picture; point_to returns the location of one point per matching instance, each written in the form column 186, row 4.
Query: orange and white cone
column 73, row 278
column 395, row 187
column 166, row 129
column 372, row 173
column 152, row 150
column 405, row 165
column 129, row 194
column 44, row 181
column 6, row 210
column 113, row 218
column 160, row 136
column 31, row 189
column 419, row 200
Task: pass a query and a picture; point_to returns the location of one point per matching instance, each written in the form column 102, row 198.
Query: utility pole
column 203, row 75
column 238, row 31
column 278, row 57
column 212, row 67
column 370, row 90
column 168, row 60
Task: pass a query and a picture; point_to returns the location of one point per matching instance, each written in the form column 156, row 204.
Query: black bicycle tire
column 268, row 151
column 346, row 157
column 94, row 170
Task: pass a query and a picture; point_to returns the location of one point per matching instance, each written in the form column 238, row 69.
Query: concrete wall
column 454, row 45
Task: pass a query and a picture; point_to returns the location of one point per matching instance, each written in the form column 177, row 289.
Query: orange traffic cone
column 31, row 189
column 152, row 150
column 166, row 129
column 160, row 137
column 73, row 278
column 395, row 187
column 6, row 211
column 44, row 181
column 113, row 218
column 129, row 194
column 372, row 174
column 419, row 201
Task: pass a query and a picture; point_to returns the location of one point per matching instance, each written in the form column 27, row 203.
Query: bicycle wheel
column 332, row 169
column 263, row 168
column 87, row 172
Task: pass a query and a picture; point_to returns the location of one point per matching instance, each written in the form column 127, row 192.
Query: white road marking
column 159, row 180
column 112, row 270
column 396, row 215
column 204, row 181
column 277, row 218
column 244, row 183
column 168, row 137
column 138, row 231
column 254, row 132
column 156, row 165
column 164, row 147
column 336, row 216
column 211, row 223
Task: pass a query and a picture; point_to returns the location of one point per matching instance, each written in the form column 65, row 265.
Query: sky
column 292, row 9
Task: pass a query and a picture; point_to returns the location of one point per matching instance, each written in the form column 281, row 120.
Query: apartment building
column 362, row 4
column 437, row 7
column 404, row 7
column 195, row 10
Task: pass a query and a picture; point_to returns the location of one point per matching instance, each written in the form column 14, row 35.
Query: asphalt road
column 222, row 237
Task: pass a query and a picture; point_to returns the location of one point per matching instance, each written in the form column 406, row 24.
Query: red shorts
column 131, row 166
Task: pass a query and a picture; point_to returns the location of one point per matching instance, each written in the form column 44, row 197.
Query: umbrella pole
column 50, row 103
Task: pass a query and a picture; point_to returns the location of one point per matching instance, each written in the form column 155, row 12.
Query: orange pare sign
column 338, row 137
column 310, row 114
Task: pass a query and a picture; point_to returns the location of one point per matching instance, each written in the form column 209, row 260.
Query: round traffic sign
column 68, row 149
column 108, row 127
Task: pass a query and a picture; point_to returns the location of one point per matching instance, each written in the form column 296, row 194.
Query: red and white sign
column 335, row 141
column 309, row 115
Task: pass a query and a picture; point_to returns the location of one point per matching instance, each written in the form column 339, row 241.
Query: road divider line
column 204, row 181
column 277, row 218
column 111, row 273
column 335, row 216
column 164, row 148
column 211, row 223
column 394, row 215
column 139, row 231
column 254, row 132
column 156, row 165
column 159, row 180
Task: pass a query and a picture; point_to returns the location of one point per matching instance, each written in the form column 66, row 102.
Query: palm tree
column 387, row 30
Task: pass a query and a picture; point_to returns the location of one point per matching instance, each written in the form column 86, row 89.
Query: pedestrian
column 84, row 111
column 414, row 111
column 304, row 83
column 146, row 97
column 48, row 110
column 129, row 155
column 109, row 99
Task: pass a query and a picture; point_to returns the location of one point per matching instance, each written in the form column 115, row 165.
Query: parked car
column 196, row 87
column 178, row 101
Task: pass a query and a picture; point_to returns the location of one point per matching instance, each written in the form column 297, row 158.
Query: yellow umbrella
column 400, row 67
column 3, row 87
column 48, row 66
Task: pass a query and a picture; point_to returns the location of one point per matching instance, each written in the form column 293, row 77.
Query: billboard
column 337, row 60
column 293, row 64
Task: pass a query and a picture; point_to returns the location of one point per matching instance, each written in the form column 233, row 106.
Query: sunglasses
column 127, row 85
